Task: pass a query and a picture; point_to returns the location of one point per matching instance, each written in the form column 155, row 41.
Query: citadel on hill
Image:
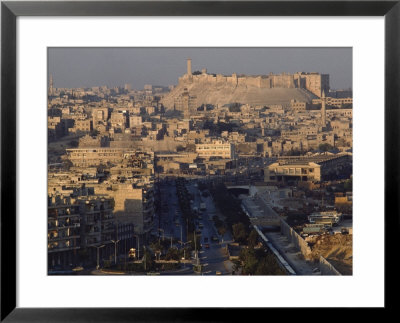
column 218, row 89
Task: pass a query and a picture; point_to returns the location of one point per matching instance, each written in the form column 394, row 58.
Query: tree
column 239, row 232
column 252, row 239
column 249, row 261
column 148, row 262
column 234, row 107
column 259, row 262
column 236, row 265
column 263, row 268
column 325, row 147
column 348, row 185
column 294, row 152
column 222, row 230
column 172, row 254
column 155, row 246
column 73, row 143
column 267, row 264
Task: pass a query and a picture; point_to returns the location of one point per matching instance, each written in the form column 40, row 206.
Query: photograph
column 213, row 143
column 200, row 161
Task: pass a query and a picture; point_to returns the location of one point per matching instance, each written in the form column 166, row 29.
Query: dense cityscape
column 216, row 175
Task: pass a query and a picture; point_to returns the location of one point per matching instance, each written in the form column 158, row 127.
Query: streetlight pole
column 181, row 236
column 195, row 248
column 125, row 253
column 115, row 250
column 159, row 234
column 144, row 258
column 184, row 251
column 194, row 239
column 98, row 247
column 137, row 245
column 187, row 228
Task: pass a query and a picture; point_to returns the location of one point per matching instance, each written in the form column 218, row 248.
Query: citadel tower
column 189, row 66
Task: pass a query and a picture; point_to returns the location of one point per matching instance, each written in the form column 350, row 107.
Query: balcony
column 107, row 218
column 92, row 211
column 63, row 226
column 57, row 239
column 92, row 233
column 61, row 215
column 60, row 249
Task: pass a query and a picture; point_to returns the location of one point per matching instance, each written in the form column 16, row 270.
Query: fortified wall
column 314, row 82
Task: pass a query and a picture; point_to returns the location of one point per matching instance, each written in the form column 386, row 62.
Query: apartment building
column 216, row 148
column 76, row 227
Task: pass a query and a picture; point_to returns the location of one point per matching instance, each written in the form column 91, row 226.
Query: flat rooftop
column 297, row 160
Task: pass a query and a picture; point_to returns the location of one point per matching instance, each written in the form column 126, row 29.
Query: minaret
column 189, row 66
column 185, row 99
column 51, row 85
column 323, row 110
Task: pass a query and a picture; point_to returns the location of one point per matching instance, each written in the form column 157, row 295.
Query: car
column 218, row 272
column 207, row 245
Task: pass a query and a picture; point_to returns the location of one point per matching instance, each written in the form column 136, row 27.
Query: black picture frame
column 10, row 10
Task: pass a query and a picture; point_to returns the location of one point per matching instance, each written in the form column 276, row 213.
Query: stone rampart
column 286, row 81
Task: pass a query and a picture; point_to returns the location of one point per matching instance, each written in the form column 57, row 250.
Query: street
column 212, row 255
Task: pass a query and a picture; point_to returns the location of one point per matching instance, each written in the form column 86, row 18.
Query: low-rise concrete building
column 84, row 157
column 216, row 148
column 306, row 168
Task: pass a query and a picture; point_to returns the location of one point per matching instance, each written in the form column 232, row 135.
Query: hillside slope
column 225, row 93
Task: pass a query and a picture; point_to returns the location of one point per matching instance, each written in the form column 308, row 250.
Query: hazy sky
column 87, row 67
